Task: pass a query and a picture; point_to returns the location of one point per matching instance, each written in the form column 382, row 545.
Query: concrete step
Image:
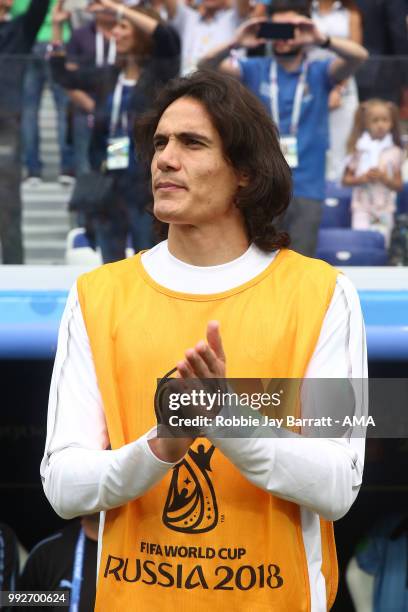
column 46, row 187
column 51, row 165
column 37, row 195
column 49, row 148
column 49, row 145
column 50, row 156
column 47, row 243
column 45, row 254
column 41, row 216
column 50, row 230
column 46, row 206
column 44, row 261
column 46, row 220
column 44, row 257
column 50, row 173
column 46, row 232
column 48, row 121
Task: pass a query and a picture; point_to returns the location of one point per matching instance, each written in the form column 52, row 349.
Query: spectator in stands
column 148, row 54
column 16, row 38
column 384, row 34
column 377, row 574
column 374, row 167
column 66, row 561
column 212, row 24
column 90, row 45
column 295, row 90
column 36, row 77
column 341, row 19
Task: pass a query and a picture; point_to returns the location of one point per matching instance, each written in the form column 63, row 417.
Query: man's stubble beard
column 286, row 54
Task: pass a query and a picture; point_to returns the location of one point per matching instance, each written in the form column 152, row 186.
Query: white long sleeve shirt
column 80, row 475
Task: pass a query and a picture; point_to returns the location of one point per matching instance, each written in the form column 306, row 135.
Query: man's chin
column 166, row 214
column 289, row 53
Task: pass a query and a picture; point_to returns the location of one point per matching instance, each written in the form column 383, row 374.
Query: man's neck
column 3, row 14
column 290, row 63
column 211, row 246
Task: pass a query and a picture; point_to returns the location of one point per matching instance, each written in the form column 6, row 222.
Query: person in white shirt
column 212, row 24
column 204, row 173
column 343, row 20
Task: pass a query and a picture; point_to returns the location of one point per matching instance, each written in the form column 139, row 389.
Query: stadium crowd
column 336, row 86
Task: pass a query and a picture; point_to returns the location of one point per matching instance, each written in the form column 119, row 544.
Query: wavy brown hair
column 360, row 122
column 250, row 142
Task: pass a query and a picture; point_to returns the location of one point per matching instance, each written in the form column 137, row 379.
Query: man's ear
column 243, row 179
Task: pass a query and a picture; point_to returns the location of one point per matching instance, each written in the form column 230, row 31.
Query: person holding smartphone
column 295, row 90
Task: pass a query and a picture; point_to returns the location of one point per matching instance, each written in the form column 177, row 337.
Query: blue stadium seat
column 337, row 190
column 363, row 257
column 402, row 201
column 348, row 238
column 79, row 251
column 336, row 206
column 352, row 247
column 80, row 239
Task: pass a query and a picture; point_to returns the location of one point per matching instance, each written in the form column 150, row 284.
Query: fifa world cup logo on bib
column 191, row 505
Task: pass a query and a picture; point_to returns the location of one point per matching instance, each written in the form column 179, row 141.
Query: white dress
column 337, row 23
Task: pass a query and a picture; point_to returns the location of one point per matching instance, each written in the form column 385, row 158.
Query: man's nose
column 168, row 157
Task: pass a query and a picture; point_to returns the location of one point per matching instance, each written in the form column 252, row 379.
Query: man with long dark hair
column 197, row 522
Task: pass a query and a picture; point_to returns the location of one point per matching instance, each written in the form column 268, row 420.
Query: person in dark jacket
column 148, row 55
column 65, row 562
column 90, row 45
column 17, row 36
column 384, row 34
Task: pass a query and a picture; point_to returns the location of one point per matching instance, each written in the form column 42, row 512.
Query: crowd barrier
column 32, row 300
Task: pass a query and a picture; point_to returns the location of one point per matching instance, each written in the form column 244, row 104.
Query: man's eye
column 192, row 143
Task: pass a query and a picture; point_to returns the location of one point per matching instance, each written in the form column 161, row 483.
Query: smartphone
column 280, row 31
